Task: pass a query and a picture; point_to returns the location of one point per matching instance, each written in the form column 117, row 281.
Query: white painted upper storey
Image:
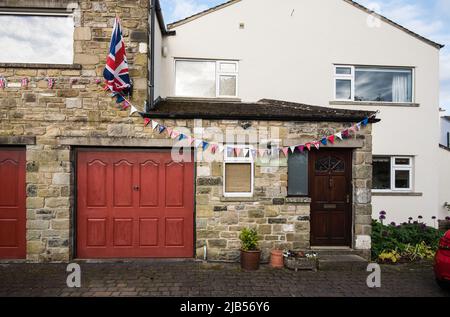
column 289, row 49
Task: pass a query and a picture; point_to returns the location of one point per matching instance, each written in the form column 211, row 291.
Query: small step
column 342, row 262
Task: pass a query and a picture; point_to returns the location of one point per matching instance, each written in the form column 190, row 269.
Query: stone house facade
column 51, row 125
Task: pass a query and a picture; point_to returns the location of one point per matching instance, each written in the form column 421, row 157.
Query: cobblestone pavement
column 198, row 279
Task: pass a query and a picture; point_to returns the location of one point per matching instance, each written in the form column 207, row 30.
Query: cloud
column 181, row 9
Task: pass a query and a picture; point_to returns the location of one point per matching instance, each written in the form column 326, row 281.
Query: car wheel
column 443, row 284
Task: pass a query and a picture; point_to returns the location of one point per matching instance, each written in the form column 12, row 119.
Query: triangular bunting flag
column 331, row 139
column 317, row 145
column 246, row 152
column 125, row 105
column 205, row 145
column 253, row 153
column 262, row 152
column 339, row 135
column 353, row 129
column 213, row 148
column 308, row 146
column 285, row 150
column 301, row 148
column 147, row 122
column 198, row 143
column 221, row 148
column 169, row 131
column 182, row 136
column 365, row 122
column 292, row 149
column 358, row 126
column 133, row 110
column 161, row 129
column 237, row 151
column 120, row 99
column 324, row 141
column 190, row 140
column 154, row 124
column 175, row 134
column 345, row 134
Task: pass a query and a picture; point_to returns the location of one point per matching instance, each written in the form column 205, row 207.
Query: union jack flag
column 116, row 69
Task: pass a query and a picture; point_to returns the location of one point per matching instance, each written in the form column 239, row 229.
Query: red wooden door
column 134, row 204
column 331, row 193
column 12, row 203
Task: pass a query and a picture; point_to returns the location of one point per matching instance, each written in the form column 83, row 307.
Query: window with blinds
column 238, row 172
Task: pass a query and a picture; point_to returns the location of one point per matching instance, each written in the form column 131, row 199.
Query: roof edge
column 395, row 24
column 201, row 14
column 351, row 2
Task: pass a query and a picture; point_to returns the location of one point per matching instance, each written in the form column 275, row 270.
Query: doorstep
column 346, row 262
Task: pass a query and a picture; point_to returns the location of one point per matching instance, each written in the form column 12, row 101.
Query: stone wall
column 76, row 106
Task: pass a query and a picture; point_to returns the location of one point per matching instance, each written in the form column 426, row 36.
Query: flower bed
column 407, row 242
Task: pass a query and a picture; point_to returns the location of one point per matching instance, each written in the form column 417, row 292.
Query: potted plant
column 250, row 253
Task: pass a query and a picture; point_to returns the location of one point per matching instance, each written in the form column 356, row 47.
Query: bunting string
column 214, row 147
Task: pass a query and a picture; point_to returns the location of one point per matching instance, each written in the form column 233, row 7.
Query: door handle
column 136, row 188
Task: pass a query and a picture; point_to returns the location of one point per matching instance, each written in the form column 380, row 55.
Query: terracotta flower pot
column 250, row 260
column 276, row 259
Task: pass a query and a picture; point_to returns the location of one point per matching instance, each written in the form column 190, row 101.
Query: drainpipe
column 151, row 84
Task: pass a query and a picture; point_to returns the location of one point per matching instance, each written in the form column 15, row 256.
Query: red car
column 442, row 261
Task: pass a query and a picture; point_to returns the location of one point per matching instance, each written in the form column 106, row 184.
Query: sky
column 429, row 18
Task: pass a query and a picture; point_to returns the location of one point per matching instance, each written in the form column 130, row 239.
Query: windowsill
column 218, row 99
column 40, row 66
column 298, row 200
column 373, row 103
column 396, row 194
column 238, row 199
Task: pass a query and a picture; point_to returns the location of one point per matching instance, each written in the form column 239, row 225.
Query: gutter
column 156, row 14
column 151, row 84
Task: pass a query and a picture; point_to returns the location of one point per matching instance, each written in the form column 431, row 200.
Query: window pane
column 195, row 79
column 402, row 180
column 381, row 173
column 227, row 86
column 402, row 161
column 343, row 89
column 378, row 84
column 36, row 39
column 228, row 67
column 343, row 71
column 238, row 178
column 298, row 174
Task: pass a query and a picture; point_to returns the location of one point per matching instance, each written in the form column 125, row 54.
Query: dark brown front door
column 331, row 194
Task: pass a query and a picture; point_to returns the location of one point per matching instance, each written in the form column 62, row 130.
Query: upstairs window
column 206, row 79
column 374, row 84
column 36, row 38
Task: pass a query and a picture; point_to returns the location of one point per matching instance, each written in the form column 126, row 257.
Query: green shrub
column 412, row 241
column 249, row 239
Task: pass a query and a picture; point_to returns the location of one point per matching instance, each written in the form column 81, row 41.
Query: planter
column 250, row 260
column 276, row 259
column 300, row 260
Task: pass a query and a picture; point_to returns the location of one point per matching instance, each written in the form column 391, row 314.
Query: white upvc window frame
column 239, row 160
column 219, row 73
column 352, row 78
column 397, row 167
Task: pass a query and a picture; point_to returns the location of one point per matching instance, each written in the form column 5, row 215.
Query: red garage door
column 134, row 204
column 12, row 203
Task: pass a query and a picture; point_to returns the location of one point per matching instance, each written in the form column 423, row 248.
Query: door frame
column 349, row 174
column 75, row 150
